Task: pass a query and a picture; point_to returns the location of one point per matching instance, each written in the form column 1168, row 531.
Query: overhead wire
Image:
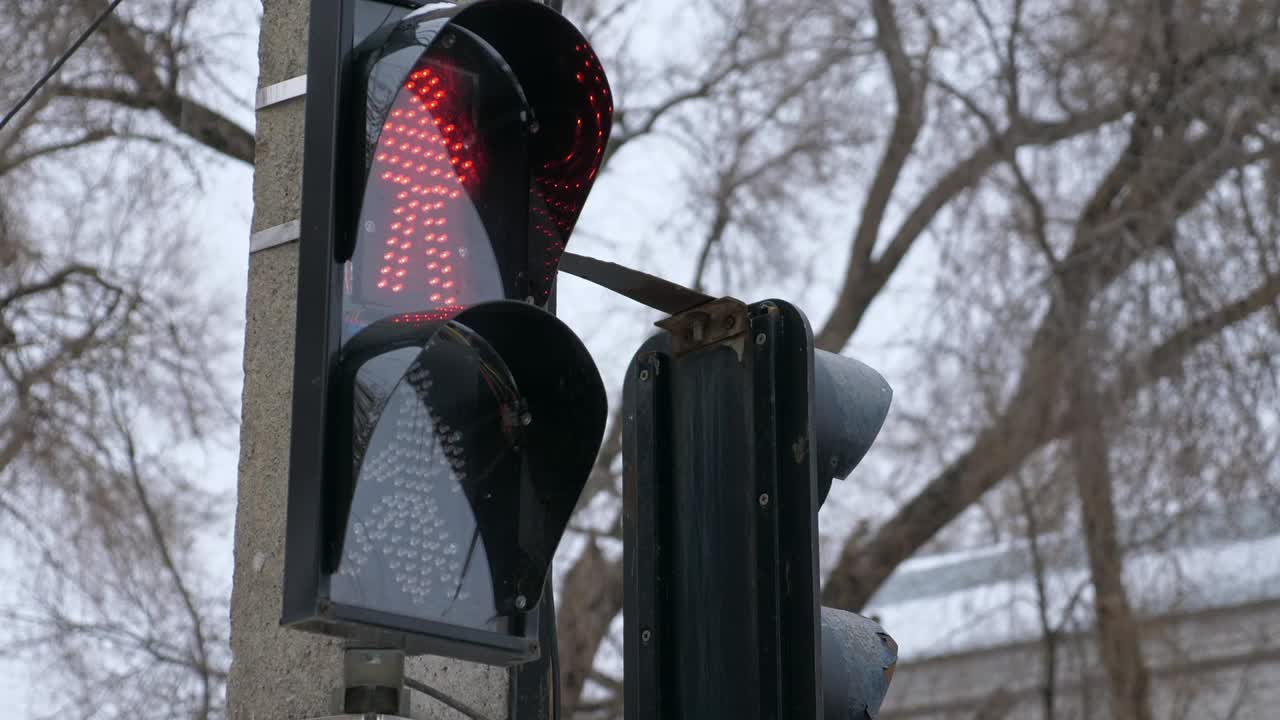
column 57, row 65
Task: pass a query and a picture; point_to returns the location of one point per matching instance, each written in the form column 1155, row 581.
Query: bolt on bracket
column 718, row 322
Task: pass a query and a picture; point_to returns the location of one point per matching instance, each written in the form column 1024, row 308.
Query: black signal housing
column 444, row 421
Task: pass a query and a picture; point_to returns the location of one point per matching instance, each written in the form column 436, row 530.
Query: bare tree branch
column 1028, row 424
column 861, row 287
column 191, row 118
column 158, row 537
column 585, row 617
column 1127, row 676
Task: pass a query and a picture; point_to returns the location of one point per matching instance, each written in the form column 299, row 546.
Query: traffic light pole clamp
column 718, row 321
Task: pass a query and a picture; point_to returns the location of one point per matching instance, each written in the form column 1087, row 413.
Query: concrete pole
column 280, row 674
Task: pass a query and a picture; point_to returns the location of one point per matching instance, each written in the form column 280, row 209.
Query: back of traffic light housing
column 444, row 424
column 735, row 427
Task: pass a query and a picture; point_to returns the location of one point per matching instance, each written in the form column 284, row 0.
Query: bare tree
column 1049, row 631
column 110, row 362
column 1126, row 280
column 1167, row 168
column 114, row 356
column 155, row 72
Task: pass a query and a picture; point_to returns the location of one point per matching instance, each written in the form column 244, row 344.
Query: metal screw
column 521, row 602
column 645, row 636
column 763, row 500
column 644, row 375
column 760, row 339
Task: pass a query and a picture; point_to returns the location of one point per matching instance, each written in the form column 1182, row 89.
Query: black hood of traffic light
column 466, row 461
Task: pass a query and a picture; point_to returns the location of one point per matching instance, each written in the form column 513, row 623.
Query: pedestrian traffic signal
column 444, row 420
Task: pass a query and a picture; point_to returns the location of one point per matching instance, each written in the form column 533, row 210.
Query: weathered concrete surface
column 275, row 673
column 279, row 674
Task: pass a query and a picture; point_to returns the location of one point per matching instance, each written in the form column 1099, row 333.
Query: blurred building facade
column 973, row 640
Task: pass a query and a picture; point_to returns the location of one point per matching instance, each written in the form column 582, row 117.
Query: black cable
column 552, row 647
column 58, row 64
column 445, row 698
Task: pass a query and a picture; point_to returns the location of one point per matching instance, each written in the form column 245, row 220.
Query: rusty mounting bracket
column 723, row 321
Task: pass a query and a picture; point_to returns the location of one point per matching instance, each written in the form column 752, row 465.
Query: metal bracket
column 372, row 683
column 722, row 321
column 276, row 235
column 644, row 288
column 277, row 93
column 374, row 687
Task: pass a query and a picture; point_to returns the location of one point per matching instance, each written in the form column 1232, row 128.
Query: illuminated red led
column 426, row 154
column 443, row 313
column 558, row 190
